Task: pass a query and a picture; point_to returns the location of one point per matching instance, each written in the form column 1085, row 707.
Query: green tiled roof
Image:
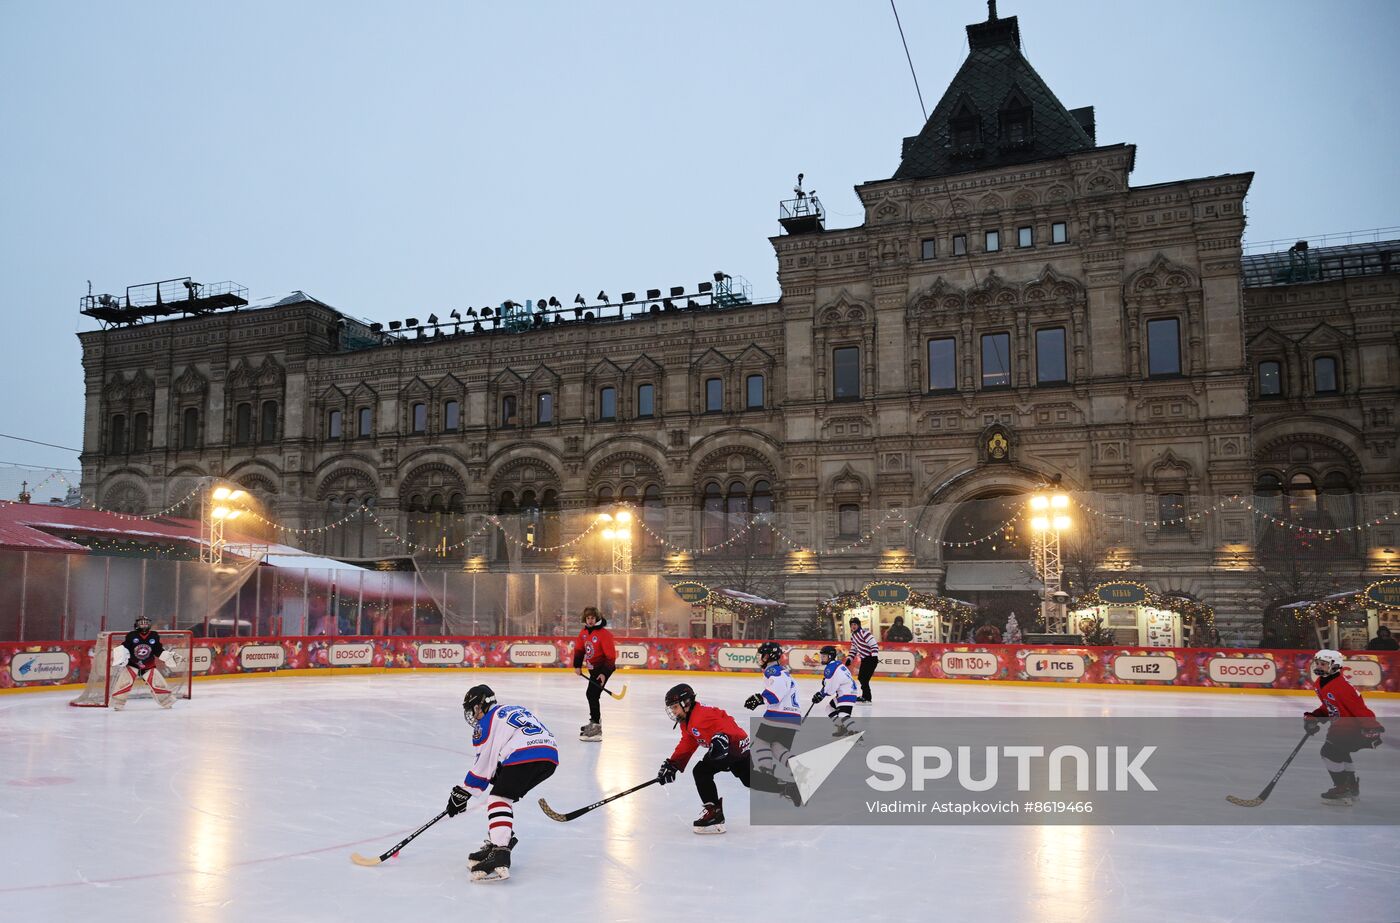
column 994, row 72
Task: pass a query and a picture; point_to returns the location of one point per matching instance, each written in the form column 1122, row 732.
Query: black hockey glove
column 817, row 697
column 1371, row 737
column 667, row 774
column 719, row 748
column 753, row 701
column 457, row 801
column 1311, row 723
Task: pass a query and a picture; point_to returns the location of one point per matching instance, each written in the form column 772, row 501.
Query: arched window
column 654, row 516
column 549, row 509
column 762, row 504
column 605, row 497
column 420, row 418
column 736, row 508
column 140, row 433
column 364, row 425
column 333, row 425
column 189, row 428
column 269, row 422
column 712, row 516
column 848, row 520
column 506, row 512
column 243, row 424
column 1302, row 495
column 508, row 411
column 1268, row 493
column 451, row 416
column 117, row 438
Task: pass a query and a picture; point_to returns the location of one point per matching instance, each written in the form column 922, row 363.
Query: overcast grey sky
column 396, row 159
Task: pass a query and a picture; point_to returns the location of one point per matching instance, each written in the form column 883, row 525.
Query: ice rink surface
column 246, row 802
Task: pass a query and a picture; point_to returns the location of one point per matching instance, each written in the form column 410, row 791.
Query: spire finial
column 991, row 10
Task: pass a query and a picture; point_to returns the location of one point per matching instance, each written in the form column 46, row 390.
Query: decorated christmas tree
column 1012, row 635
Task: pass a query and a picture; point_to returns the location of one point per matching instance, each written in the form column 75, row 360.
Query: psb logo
column 962, row 664
column 1144, row 668
column 1056, row 665
column 360, row 654
column 632, row 654
column 1253, row 670
column 40, row 668
column 532, row 654
column 262, row 657
column 441, row 654
column 1365, row 673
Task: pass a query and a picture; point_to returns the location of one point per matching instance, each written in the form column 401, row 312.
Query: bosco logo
column 737, row 658
column 632, row 654
column 360, row 654
column 1365, row 673
column 261, row 657
column 441, row 654
column 535, row 655
column 1252, row 670
column 1055, row 664
column 960, row 664
column 1139, row 668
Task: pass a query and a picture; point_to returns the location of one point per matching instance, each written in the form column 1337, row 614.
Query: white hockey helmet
column 1327, row 662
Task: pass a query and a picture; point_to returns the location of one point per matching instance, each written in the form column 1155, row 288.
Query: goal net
column 109, row 666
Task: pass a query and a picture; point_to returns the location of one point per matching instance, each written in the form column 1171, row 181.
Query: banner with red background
column 34, row 665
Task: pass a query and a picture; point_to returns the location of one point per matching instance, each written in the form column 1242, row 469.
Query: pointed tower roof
column 980, row 121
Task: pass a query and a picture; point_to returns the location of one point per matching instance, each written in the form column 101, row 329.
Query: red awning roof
column 36, row 527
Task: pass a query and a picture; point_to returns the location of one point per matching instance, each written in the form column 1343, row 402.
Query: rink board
column 45, row 665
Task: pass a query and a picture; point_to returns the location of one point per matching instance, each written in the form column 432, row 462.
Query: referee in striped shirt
column 865, row 649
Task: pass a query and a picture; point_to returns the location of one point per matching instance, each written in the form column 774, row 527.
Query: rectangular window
column 509, row 411
column 243, row 424
column 753, row 390
column 544, row 407
column 845, row 373
column 996, row 360
column 1025, row 237
column 993, row 241
column 1059, row 232
column 646, row 400
column 714, row 395
column 365, row 425
column 118, row 442
column 420, row 418
column 927, row 248
column 1325, row 375
column 1163, row 347
column 451, row 416
column 607, row 404
column 943, row 364
column 333, row 425
column 189, row 428
column 1050, row 356
column 1270, row 379
column 1171, row 512
column 269, row 421
column 848, row 520
column 138, row 433
column 959, row 245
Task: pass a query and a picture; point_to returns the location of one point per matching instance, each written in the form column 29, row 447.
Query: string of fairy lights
column 894, row 517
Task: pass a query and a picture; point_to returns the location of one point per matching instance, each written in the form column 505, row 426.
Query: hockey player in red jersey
column 1353, row 726
column 596, row 650
column 728, row 751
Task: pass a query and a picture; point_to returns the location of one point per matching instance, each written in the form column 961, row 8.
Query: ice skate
column 712, row 819
column 592, row 732
column 477, row 857
column 495, row 867
column 1338, row 796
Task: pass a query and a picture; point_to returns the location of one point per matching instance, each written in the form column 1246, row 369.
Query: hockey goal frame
column 176, row 664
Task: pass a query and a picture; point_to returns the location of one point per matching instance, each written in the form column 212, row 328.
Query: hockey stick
column 573, row 815
column 604, row 684
column 1255, row 802
column 394, row 850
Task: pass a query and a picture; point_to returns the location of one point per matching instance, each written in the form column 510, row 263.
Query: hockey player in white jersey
column 782, row 715
column 514, row 753
column 840, row 685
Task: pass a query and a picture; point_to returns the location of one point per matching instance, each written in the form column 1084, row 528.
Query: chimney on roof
column 994, row 31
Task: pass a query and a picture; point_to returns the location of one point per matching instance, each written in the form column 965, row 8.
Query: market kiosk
column 1138, row 617
column 930, row 618
column 1347, row 621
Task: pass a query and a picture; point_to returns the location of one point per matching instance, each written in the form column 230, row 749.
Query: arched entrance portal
column 987, row 554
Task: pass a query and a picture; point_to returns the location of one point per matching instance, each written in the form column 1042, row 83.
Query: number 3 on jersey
column 521, row 719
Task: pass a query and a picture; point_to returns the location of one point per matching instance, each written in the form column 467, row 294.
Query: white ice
column 246, row 802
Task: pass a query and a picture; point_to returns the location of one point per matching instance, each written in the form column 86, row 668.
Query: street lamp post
column 617, row 532
column 1050, row 517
